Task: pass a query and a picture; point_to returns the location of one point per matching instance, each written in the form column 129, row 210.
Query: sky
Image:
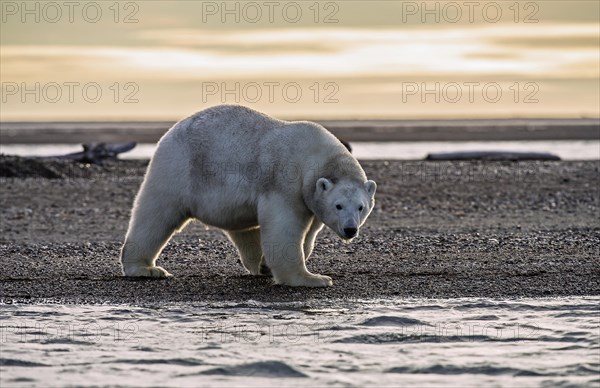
column 162, row 60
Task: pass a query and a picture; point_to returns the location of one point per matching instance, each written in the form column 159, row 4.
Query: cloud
column 369, row 65
column 342, row 52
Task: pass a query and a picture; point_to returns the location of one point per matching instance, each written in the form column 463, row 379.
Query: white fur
column 269, row 184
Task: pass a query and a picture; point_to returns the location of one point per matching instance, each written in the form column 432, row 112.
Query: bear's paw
column 149, row 272
column 311, row 280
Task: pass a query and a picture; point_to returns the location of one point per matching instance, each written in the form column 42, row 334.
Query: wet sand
column 439, row 230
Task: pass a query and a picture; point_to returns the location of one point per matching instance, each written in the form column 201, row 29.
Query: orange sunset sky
column 155, row 60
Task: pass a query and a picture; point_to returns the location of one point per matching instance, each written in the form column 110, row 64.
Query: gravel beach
column 439, row 229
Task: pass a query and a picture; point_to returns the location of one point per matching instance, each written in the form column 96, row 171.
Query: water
column 566, row 149
column 422, row 342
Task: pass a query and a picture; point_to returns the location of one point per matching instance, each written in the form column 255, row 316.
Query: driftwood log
column 96, row 153
column 491, row 155
column 347, row 145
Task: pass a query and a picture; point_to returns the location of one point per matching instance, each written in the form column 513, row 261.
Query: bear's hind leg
column 247, row 243
column 149, row 231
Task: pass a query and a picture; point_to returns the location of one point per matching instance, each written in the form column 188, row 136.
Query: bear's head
column 344, row 205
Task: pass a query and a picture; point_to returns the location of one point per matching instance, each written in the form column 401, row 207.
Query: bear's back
column 223, row 133
column 236, row 133
column 229, row 121
column 233, row 138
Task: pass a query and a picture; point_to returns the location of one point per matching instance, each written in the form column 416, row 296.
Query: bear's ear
column 324, row 184
column 371, row 186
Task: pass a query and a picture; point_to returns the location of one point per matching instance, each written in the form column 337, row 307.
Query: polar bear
column 269, row 184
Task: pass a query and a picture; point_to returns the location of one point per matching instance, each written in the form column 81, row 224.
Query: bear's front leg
column 311, row 236
column 283, row 229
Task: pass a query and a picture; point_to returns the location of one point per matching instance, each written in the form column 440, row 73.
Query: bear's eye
column 339, row 207
column 360, row 208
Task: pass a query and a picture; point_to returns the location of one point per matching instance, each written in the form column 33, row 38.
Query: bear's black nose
column 350, row 232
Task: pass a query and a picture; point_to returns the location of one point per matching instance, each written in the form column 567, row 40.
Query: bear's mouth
column 347, row 239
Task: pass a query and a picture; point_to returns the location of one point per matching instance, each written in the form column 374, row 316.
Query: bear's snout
column 350, row 232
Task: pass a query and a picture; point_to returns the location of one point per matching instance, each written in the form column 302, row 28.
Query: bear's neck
column 308, row 195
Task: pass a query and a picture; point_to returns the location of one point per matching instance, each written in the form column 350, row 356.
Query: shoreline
column 349, row 130
column 439, row 230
